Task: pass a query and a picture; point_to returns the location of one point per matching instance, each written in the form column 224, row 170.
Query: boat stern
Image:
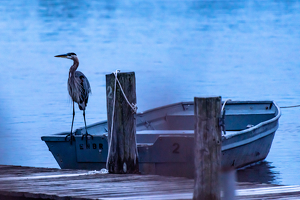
column 78, row 155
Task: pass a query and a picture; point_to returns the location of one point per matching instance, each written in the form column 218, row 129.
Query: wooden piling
column 122, row 155
column 207, row 149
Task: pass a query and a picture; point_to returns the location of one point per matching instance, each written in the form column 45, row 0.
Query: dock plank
column 43, row 183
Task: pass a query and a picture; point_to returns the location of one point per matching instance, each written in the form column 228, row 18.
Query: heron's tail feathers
column 81, row 107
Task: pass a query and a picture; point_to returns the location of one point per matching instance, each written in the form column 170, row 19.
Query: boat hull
column 171, row 151
column 177, row 157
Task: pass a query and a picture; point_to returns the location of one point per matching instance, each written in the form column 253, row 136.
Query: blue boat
column 165, row 139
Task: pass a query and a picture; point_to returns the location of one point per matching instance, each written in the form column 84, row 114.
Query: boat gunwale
column 257, row 126
column 62, row 134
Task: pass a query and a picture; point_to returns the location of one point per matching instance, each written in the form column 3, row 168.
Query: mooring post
column 207, row 149
column 122, row 152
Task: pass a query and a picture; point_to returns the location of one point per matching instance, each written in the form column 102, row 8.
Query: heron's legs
column 72, row 137
column 86, row 133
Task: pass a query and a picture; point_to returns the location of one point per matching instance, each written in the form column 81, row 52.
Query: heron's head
column 67, row 55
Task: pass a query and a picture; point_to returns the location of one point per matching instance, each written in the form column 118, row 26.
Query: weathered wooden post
column 122, row 153
column 207, row 149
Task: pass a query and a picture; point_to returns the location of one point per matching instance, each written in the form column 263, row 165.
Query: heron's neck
column 74, row 67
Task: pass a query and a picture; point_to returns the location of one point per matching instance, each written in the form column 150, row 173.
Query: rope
column 112, row 122
column 222, row 118
column 133, row 107
column 224, row 104
column 290, row 106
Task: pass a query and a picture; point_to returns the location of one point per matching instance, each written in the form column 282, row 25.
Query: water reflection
column 263, row 172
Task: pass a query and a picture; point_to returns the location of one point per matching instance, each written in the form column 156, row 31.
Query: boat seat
column 148, row 137
column 235, row 120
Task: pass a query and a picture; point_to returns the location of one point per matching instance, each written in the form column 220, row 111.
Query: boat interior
column 238, row 116
column 178, row 119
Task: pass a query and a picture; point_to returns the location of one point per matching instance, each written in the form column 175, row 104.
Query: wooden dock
column 44, row 183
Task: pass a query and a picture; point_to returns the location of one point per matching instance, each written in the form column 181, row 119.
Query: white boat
column 165, row 139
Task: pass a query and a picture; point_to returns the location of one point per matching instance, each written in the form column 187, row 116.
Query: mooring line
column 132, row 105
column 112, row 119
column 294, row 106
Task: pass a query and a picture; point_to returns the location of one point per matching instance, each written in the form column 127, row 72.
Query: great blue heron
column 79, row 89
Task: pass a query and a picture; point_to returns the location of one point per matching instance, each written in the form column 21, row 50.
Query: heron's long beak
column 61, row 56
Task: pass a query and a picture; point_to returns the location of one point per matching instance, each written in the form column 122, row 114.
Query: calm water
column 243, row 50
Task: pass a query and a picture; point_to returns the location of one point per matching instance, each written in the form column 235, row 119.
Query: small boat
column 165, row 139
